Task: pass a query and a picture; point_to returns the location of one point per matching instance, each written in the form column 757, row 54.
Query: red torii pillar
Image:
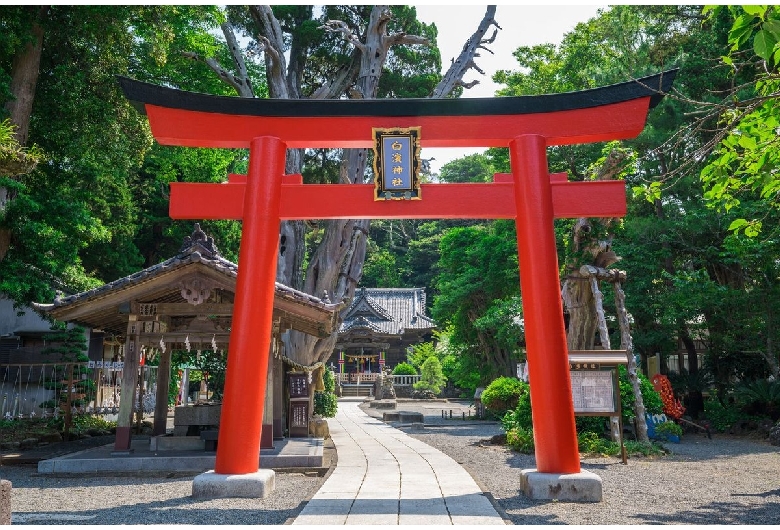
column 532, row 197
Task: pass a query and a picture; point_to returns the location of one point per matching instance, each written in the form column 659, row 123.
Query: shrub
column 325, row 404
column 520, row 439
column 668, row 428
column 404, row 369
column 329, row 380
column 651, row 398
column 721, row 417
column 760, row 397
column 431, row 376
column 520, row 417
column 503, row 394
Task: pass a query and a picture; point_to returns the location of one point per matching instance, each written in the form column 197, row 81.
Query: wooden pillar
column 238, row 451
column 555, row 435
column 124, row 421
column 161, row 402
column 267, row 432
column 278, row 392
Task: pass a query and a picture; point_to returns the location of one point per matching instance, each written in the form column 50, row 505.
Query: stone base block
column 318, row 427
column 575, row 487
column 382, row 404
column 5, row 502
column 210, row 485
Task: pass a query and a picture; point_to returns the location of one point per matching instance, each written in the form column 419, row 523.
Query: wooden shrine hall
column 378, row 327
column 187, row 300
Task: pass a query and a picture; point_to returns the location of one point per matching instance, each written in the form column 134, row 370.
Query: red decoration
column 672, row 406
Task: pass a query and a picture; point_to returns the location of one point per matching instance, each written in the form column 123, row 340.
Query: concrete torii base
column 575, row 487
column 211, row 485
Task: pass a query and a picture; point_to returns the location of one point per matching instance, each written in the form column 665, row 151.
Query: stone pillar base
column 257, row 485
column 5, row 502
column 575, row 487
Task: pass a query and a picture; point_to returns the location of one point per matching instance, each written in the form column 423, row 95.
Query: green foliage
column 650, row 398
column 760, row 397
column 325, row 404
column 82, row 423
column 329, row 380
column 404, row 369
column 744, row 164
column 67, row 344
column 420, row 352
column 209, row 365
column 521, row 416
column 477, row 296
column 431, row 377
column 721, row 417
column 503, row 394
column 520, row 439
column 668, row 428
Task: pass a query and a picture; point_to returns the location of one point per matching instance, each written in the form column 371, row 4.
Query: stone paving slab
column 384, row 476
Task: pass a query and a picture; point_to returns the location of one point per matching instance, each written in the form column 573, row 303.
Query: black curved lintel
column 140, row 93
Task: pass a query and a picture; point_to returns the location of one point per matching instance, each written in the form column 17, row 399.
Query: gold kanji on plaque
column 397, row 163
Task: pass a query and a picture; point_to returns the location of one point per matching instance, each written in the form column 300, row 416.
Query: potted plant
column 669, row 431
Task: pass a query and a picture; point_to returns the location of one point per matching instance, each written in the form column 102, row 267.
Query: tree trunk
column 24, row 77
column 25, row 68
column 583, row 299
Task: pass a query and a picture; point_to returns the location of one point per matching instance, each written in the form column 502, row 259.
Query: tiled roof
column 198, row 248
column 387, row 311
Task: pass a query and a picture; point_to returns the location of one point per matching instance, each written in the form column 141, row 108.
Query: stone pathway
column 385, row 477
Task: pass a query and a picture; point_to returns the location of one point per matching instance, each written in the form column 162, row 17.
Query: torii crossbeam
column 265, row 196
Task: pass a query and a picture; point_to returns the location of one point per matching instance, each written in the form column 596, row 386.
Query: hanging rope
column 316, row 372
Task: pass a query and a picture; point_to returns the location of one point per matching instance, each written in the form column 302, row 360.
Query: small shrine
column 378, row 328
column 186, row 303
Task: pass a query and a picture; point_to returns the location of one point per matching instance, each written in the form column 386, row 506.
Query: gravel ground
column 40, row 499
column 726, row 480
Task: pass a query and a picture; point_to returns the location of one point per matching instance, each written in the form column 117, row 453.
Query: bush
column 329, row 380
column 651, row 398
column 503, row 394
column 431, row 376
column 668, row 428
column 520, row 439
column 721, row 417
column 404, row 369
column 760, row 397
column 325, row 404
column 520, row 417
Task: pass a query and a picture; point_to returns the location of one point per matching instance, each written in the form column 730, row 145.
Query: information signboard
column 593, row 391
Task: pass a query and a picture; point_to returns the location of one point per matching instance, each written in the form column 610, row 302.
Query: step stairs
column 357, row 390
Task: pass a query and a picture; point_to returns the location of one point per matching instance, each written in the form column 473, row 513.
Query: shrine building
column 379, row 327
column 187, row 302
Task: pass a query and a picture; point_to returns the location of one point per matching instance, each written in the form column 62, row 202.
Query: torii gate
column 530, row 195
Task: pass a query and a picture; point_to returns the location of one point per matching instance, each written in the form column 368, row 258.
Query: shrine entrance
column 529, row 195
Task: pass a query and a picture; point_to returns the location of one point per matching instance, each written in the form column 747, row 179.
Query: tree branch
column 337, row 26
column 465, row 61
column 272, row 43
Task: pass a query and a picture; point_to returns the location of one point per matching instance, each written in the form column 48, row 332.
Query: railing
column 405, row 380
column 44, row 390
column 363, row 379
column 356, row 379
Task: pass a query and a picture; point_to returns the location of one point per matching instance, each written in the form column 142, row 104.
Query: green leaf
column 772, row 26
column 727, row 60
column 736, row 224
column 753, row 229
column 764, row 44
column 740, row 30
column 756, row 11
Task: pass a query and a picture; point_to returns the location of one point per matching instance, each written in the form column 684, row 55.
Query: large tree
column 343, row 51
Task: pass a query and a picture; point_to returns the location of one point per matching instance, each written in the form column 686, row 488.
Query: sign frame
column 397, row 163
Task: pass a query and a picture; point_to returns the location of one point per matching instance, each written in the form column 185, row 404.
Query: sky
column 522, row 25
